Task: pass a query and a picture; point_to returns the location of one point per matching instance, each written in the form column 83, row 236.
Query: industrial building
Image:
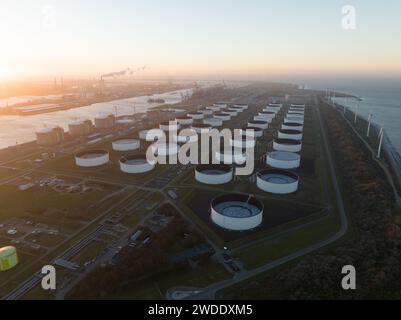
column 283, row 160
column 80, row 127
column 214, row 174
column 126, row 145
column 277, row 181
column 49, row 136
column 237, row 212
column 105, row 122
column 8, row 258
column 135, row 164
column 92, row 158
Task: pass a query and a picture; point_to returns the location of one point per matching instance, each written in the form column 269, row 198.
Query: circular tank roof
column 288, row 141
column 125, row 141
column 277, row 176
column 137, row 159
column 253, row 128
column 90, row 154
column 292, row 124
column 284, row 155
column 213, row 169
column 237, row 206
column 7, row 251
column 290, row 131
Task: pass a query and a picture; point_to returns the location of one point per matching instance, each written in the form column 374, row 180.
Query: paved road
column 210, row 291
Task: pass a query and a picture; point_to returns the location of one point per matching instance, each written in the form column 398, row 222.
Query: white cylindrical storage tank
column 283, row 160
column 232, row 113
column 289, row 134
column 237, row 212
column 180, row 138
column 196, row 115
column 258, row 124
column 165, row 149
column 275, row 105
column 287, row 145
column 92, row 158
column 230, row 156
column 214, row 122
column 169, row 126
column 222, row 116
column 207, row 112
column 213, row 173
column 214, row 108
column 294, row 119
column 292, row 126
column 268, row 115
column 277, row 181
column 262, row 118
column 271, row 109
column 49, row 136
column 252, row 132
column 135, row 164
column 148, row 135
column 243, row 141
column 184, row 120
column 295, row 105
column 242, row 106
column 296, row 112
column 221, row 104
column 126, row 144
column 201, row 128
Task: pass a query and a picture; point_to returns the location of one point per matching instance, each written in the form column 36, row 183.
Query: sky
column 208, row 38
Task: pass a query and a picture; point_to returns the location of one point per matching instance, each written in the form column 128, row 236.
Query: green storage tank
column 8, row 258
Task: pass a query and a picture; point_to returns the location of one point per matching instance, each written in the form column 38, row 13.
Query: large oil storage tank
column 8, row 258
column 214, row 122
column 237, row 212
column 135, row 164
column 290, row 134
column 277, row 181
column 126, row 144
column 196, row 115
column 222, row 116
column 184, row 120
column 213, row 174
column 200, row 128
column 252, row 132
column 105, row 122
column 92, row 158
column 283, row 160
column 287, row 145
column 258, row 124
column 80, row 127
column 292, row 126
column 49, row 136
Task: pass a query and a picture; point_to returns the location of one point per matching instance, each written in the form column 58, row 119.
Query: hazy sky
column 205, row 37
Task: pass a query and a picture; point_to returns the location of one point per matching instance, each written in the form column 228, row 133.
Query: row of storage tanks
column 241, row 212
column 54, row 135
column 199, row 121
column 233, row 211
